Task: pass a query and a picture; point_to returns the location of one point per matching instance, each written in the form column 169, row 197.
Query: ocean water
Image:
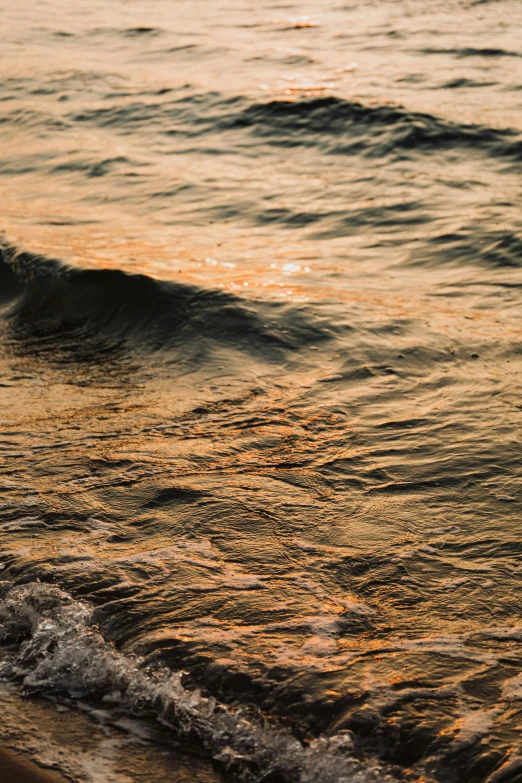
column 260, row 404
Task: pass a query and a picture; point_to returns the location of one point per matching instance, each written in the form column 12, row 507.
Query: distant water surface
column 260, row 354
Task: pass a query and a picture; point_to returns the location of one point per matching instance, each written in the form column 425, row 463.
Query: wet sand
column 15, row 768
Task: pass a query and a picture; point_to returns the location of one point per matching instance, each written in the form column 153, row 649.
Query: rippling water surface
column 260, row 358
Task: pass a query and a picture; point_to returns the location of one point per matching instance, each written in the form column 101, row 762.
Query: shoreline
column 16, row 767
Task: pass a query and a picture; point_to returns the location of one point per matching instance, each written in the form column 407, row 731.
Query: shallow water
column 260, row 385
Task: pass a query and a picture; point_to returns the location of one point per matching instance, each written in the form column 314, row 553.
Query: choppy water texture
column 260, row 362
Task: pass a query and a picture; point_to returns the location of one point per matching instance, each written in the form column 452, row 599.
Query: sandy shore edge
column 18, row 768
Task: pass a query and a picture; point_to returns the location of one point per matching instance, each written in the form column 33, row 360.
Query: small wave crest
column 336, row 125
column 59, row 649
column 375, row 130
column 51, row 301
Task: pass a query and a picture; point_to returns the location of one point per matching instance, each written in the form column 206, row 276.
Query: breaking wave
column 60, row 650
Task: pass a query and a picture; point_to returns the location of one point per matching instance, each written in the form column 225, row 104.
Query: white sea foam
column 61, row 650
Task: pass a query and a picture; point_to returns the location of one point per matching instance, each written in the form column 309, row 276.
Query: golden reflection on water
column 325, row 507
